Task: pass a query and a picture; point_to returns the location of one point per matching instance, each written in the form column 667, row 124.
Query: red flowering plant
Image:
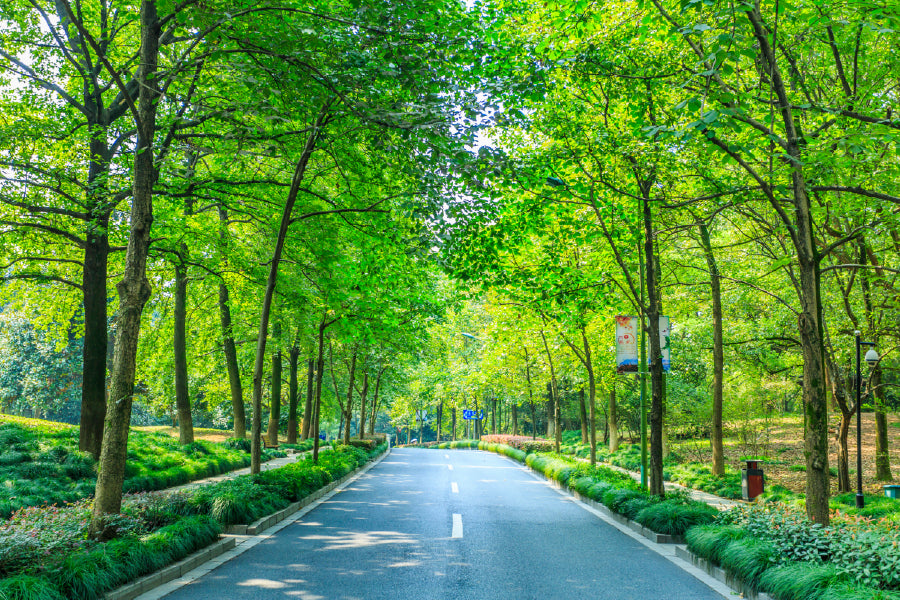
column 35, row 532
column 521, row 442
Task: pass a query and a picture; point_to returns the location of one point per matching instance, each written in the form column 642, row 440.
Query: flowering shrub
column 521, row 442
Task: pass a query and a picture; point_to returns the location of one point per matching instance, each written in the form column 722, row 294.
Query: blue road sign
column 472, row 415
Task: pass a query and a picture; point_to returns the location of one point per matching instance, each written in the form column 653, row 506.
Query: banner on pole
column 626, row 344
column 627, row 333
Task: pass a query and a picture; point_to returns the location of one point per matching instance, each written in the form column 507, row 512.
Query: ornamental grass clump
column 675, row 517
column 799, row 581
column 710, row 541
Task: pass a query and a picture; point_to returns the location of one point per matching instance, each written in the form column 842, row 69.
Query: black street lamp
column 871, row 360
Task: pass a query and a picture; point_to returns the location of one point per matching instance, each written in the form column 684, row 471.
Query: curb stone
column 720, row 574
column 236, row 535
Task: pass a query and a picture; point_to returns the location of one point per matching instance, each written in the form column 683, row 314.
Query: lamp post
column 871, row 360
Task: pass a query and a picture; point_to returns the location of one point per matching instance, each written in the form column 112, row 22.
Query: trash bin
column 752, row 480
column 892, row 491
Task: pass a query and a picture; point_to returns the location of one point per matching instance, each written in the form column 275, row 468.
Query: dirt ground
column 780, row 441
column 210, row 435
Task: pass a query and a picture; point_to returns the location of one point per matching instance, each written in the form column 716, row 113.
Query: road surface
column 448, row 524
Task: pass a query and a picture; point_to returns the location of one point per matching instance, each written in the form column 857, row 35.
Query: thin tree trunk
column 93, row 390
column 554, row 392
column 293, row 393
column 179, row 353
column 530, row 395
column 348, row 411
column 612, row 420
column 494, row 416
column 592, row 395
column 317, row 404
column 718, row 451
column 308, row 408
column 275, row 398
column 882, row 454
column 440, row 416
column 582, row 415
column 656, row 366
column 514, row 417
column 375, row 402
column 229, row 349
column 262, row 334
column 361, row 428
column 134, row 288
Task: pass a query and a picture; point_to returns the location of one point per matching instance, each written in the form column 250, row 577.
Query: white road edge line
column 450, row 467
column 454, row 488
column 447, row 456
column 665, row 550
column 457, row 526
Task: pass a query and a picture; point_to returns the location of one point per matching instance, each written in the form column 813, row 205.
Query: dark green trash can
column 892, row 491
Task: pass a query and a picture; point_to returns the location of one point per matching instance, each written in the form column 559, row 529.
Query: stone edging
column 173, row 571
column 214, row 550
column 720, row 574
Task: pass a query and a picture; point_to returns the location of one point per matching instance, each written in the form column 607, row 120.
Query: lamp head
column 872, row 357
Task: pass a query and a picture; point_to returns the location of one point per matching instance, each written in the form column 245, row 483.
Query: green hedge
column 44, row 553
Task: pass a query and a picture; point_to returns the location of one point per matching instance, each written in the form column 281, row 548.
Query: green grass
column 40, row 463
column 799, row 581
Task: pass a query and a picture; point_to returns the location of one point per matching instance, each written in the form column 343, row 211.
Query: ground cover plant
column 40, row 463
column 45, row 552
column 773, row 547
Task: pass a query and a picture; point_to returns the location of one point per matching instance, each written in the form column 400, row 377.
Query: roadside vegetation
column 46, row 554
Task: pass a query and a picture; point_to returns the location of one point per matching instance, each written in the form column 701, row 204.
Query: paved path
column 433, row 524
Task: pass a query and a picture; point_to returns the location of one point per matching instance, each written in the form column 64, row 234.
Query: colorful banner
column 627, row 332
column 626, row 344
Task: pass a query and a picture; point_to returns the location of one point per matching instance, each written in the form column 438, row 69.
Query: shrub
column 28, row 587
column 748, row 559
column 242, row 444
column 798, row 581
column 710, row 541
column 674, row 517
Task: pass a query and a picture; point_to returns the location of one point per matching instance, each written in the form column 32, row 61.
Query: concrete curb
column 720, row 574
column 236, row 537
column 174, row 571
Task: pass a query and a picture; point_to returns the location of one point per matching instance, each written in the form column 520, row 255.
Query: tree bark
column 554, row 393
column 592, row 396
column 363, row 397
column 320, row 372
column 656, row 367
column 261, row 337
column 718, row 451
column 293, row 393
column 882, row 454
column 838, row 382
column 375, row 401
column 179, row 353
column 612, row 420
column 348, row 411
column 229, row 349
column 134, row 288
column 93, row 391
column 514, row 417
column 308, row 408
column 275, row 398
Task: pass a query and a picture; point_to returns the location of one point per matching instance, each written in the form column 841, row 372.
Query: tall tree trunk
column 530, row 395
column 592, row 395
column 93, row 391
column 882, row 455
column 551, row 411
column 801, row 227
column 229, row 349
column 718, row 451
column 514, row 417
column 656, row 366
column 179, row 353
column 262, row 334
column 838, row 383
column 612, row 420
column 348, row 412
column 582, row 416
column 275, row 399
column 317, row 404
column 453, row 424
column 554, row 392
column 293, row 393
column 494, row 415
column 375, row 401
column 440, row 416
column 134, row 288
column 363, row 397
column 308, row 408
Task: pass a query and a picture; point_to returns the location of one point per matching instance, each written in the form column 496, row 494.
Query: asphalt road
column 448, row 524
